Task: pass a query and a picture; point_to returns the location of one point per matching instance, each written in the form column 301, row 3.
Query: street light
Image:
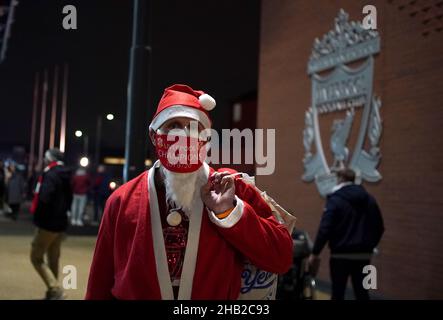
column 98, row 137
column 79, row 134
column 84, row 162
column 112, row 185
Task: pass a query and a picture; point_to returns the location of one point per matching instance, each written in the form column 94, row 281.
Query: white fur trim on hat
column 207, row 102
column 180, row 111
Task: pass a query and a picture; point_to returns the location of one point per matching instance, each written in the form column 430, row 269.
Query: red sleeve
column 263, row 241
column 101, row 275
column 257, row 234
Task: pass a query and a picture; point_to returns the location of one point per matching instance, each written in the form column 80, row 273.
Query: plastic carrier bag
column 258, row 284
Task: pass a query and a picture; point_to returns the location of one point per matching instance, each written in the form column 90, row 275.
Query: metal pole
column 86, row 146
column 43, row 120
column 33, row 126
column 64, row 107
column 138, row 92
column 54, row 109
column 98, row 138
column 7, row 33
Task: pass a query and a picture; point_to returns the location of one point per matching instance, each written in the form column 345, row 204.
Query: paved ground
column 18, row 279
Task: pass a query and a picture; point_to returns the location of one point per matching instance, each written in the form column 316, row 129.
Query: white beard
column 184, row 188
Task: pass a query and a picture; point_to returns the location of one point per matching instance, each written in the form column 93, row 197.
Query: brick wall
column 408, row 78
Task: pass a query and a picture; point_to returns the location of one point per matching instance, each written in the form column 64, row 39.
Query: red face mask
column 182, row 154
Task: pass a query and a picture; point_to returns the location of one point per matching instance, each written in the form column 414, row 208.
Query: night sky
column 210, row 45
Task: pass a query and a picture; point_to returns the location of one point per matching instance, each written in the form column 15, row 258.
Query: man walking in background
column 52, row 199
column 353, row 226
column 101, row 192
column 2, row 186
column 15, row 191
column 80, row 186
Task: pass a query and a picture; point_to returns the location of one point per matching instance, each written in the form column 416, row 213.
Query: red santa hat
column 181, row 100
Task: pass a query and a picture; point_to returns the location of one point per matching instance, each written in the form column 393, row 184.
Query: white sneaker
column 79, row 223
column 73, row 222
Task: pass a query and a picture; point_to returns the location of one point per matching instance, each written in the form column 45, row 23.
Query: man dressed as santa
column 183, row 230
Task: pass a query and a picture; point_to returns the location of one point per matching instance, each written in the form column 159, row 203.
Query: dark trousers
column 2, row 195
column 99, row 206
column 15, row 207
column 341, row 270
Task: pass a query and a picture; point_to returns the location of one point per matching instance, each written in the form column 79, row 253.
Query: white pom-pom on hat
column 206, row 101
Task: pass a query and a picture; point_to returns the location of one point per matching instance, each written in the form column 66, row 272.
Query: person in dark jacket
column 101, row 192
column 52, row 200
column 2, row 185
column 353, row 226
column 15, row 190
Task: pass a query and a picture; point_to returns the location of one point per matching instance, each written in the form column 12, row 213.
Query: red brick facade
column 408, row 79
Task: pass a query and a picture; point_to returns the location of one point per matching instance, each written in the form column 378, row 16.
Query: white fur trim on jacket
column 190, row 259
column 231, row 219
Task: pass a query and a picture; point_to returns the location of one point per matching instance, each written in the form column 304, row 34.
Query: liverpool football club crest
column 341, row 69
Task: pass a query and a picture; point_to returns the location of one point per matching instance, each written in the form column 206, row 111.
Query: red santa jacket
column 130, row 259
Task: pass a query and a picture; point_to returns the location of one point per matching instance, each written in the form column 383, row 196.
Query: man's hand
column 313, row 264
column 312, row 259
column 218, row 193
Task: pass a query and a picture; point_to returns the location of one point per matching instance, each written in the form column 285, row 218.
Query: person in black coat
column 352, row 225
column 15, row 191
column 52, row 200
column 2, row 185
